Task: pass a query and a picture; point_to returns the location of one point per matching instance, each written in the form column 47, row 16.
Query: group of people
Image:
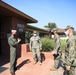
column 69, row 61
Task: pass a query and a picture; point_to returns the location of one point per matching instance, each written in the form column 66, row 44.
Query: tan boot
column 53, row 69
column 40, row 63
column 61, row 68
column 34, row 62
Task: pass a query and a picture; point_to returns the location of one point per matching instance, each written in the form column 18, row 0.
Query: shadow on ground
column 4, row 60
column 23, row 63
column 42, row 57
column 3, row 69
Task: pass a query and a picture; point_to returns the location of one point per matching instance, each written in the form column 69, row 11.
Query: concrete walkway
column 26, row 66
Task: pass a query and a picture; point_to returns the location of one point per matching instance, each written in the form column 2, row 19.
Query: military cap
column 69, row 27
column 34, row 31
column 54, row 29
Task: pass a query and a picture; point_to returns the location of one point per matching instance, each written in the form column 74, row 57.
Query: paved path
column 26, row 66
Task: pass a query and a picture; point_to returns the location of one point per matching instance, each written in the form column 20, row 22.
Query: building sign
column 20, row 27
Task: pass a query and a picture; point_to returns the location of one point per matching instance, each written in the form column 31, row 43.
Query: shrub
column 47, row 44
column 63, row 43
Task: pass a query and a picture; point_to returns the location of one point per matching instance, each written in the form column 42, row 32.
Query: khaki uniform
column 13, row 54
column 35, row 45
column 57, row 47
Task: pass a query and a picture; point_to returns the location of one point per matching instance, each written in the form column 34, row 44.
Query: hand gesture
column 40, row 48
column 68, row 68
column 19, row 39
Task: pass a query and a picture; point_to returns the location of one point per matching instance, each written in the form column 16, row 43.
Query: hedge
column 48, row 44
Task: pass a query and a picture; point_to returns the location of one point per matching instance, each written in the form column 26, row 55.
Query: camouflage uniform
column 57, row 47
column 70, row 54
column 13, row 54
column 35, row 45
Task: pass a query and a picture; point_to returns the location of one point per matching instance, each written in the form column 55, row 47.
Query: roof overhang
column 7, row 10
column 29, row 27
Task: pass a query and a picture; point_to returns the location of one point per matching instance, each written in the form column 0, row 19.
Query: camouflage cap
column 54, row 29
column 34, row 31
column 69, row 27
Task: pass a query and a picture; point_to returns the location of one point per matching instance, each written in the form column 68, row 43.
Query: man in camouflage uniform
column 13, row 52
column 57, row 50
column 70, row 51
column 35, row 46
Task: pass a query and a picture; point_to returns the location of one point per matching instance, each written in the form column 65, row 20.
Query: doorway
column 21, row 35
column 0, row 37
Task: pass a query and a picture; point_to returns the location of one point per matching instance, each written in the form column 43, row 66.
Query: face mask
column 35, row 34
column 66, row 33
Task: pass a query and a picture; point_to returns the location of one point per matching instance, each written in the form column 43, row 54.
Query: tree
column 50, row 26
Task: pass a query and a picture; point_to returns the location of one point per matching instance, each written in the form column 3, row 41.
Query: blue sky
column 62, row 12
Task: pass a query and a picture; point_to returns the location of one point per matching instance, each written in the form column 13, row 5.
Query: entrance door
column 0, row 35
column 21, row 35
column 4, row 23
